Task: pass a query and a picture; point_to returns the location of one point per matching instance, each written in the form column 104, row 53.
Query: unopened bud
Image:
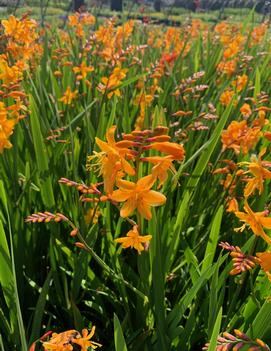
column 74, row 232
column 241, row 335
column 80, row 245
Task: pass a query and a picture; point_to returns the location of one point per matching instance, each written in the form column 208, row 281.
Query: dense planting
column 135, row 186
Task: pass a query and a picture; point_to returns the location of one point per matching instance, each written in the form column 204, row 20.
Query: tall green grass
column 176, row 296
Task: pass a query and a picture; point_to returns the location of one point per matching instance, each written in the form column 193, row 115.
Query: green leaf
column 257, row 85
column 213, row 240
column 216, row 330
column 41, row 157
column 39, row 310
column 6, row 276
column 261, row 324
column 3, row 196
column 120, row 344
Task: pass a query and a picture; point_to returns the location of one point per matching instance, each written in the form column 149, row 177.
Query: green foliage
column 171, row 296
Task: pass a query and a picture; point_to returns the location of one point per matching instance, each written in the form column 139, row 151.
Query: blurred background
column 156, row 10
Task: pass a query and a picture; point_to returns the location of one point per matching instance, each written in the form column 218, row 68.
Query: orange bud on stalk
column 74, row 232
column 241, row 335
column 159, row 138
column 80, row 245
column 160, row 130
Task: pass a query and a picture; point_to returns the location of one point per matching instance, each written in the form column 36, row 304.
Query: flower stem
column 109, row 270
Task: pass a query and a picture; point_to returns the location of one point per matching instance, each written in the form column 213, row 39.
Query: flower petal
column 176, row 150
column 144, row 209
column 103, row 145
column 110, row 135
column 146, row 183
column 126, row 185
column 128, row 207
column 265, row 222
column 127, row 167
column 154, row 198
column 120, row 196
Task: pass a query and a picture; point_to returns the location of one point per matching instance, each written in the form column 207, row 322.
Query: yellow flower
column 138, row 196
column 161, row 168
column 245, row 110
column 256, row 220
column 240, row 82
column 68, row 96
column 6, row 128
column 110, row 84
column 232, row 205
column 9, row 74
column 83, row 69
column 134, row 240
column 226, row 97
column 239, row 137
column 111, row 159
column 265, row 262
column 12, row 27
column 84, row 340
column 61, row 341
column 231, row 50
column 255, row 167
column 227, row 67
column 73, row 20
column 176, row 151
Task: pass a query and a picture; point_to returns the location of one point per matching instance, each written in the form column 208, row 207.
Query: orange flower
column 13, row 27
column 111, row 159
column 168, row 58
column 232, row 205
column 221, row 27
column 245, row 110
column 83, row 69
column 226, row 97
column 9, row 74
column 256, row 220
column 73, row 20
column 138, row 196
column 240, row 82
column 6, row 128
column 87, row 18
column 61, row 341
column 110, row 84
column 162, row 165
column 134, row 240
column 84, row 340
column 231, row 50
column 176, row 151
column 68, row 96
column 228, row 67
column 260, row 174
column 261, row 121
column 238, row 136
column 265, row 260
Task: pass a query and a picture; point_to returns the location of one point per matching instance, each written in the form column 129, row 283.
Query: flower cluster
column 241, row 261
column 127, row 157
column 250, row 175
column 237, row 342
column 20, row 40
column 70, row 339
